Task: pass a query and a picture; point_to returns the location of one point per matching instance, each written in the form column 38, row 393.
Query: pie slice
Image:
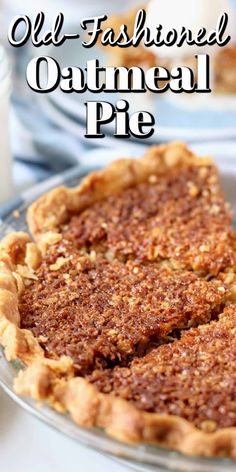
column 193, row 377
column 127, row 296
column 100, row 312
column 166, row 206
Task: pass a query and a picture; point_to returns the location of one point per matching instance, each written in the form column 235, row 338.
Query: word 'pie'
column 122, row 310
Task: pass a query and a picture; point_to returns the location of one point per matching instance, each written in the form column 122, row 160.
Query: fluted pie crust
column 54, row 380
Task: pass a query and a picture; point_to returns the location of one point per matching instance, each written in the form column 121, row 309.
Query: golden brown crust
column 53, row 208
column 119, row 418
column 17, row 343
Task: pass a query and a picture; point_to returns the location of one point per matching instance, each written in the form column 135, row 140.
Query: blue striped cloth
column 40, row 147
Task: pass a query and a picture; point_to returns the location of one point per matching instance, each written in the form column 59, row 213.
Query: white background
column 28, row 445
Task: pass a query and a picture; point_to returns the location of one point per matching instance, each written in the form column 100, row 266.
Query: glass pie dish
column 141, row 457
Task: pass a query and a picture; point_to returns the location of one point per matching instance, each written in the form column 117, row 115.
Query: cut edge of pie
column 54, row 381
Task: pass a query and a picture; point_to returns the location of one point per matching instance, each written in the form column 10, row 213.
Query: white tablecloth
column 27, row 445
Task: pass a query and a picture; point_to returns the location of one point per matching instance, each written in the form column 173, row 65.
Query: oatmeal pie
column 224, row 63
column 123, row 311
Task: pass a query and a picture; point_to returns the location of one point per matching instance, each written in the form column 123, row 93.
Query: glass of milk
column 6, row 186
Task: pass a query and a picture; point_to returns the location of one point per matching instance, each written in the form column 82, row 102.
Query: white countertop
column 26, row 445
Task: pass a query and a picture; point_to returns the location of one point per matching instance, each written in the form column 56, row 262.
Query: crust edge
column 52, row 209
column 19, row 257
column 118, row 418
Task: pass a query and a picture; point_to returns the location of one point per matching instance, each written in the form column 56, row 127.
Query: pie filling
column 102, row 312
column 181, row 217
column 193, row 377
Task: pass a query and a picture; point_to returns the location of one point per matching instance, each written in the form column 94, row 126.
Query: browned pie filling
column 181, row 217
column 194, row 377
column 102, row 312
